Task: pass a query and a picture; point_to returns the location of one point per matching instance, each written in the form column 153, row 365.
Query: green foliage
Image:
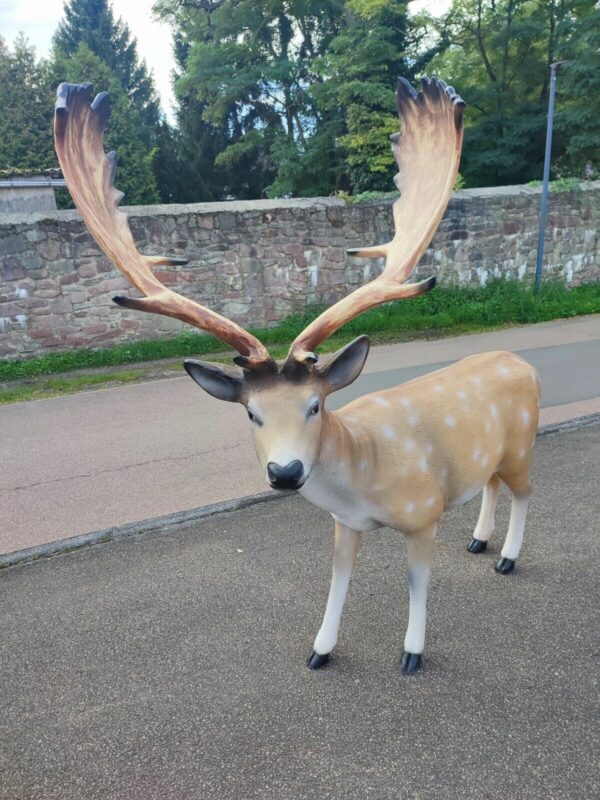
column 302, row 91
column 559, row 185
column 26, row 110
column 135, row 176
column 578, row 116
column 440, row 312
column 90, row 45
column 358, row 76
column 498, row 56
column 296, row 97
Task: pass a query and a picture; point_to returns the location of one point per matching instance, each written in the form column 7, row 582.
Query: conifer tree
column 90, row 45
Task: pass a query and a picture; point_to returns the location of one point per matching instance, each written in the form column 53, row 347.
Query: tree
column 135, row 174
column 578, row 116
column 90, row 45
column 26, row 103
column 499, row 57
column 91, row 22
column 358, row 77
column 248, row 69
column 302, row 91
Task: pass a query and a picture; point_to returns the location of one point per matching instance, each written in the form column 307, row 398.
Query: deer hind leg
column 420, row 554
column 520, row 487
column 485, row 523
column 346, row 546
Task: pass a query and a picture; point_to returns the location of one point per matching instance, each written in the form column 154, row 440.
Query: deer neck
column 339, row 482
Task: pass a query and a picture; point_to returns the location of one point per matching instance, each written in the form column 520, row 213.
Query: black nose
column 288, row 477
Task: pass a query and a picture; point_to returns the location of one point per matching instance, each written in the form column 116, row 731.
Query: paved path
column 171, row 666
column 76, row 464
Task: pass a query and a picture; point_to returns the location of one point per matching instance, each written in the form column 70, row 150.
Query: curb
column 62, row 546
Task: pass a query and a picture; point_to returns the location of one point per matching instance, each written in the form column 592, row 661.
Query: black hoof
column 316, row 660
column 477, row 546
column 411, row 662
column 505, row 565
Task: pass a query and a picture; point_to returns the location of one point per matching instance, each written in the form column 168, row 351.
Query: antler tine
column 427, row 151
column 89, row 172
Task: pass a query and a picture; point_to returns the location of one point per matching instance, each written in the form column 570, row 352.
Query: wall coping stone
column 242, row 206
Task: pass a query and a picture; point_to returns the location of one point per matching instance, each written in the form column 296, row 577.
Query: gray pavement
column 171, row 666
column 76, row 464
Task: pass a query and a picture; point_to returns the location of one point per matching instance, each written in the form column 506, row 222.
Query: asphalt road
column 171, row 666
column 86, row 462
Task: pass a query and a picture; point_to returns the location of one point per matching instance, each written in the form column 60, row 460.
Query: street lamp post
column 546, row 179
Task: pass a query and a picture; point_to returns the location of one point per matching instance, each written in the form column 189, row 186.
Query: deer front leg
column 345, row 549
column 420, row 553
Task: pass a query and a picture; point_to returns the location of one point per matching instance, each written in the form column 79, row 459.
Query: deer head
column 285, row 401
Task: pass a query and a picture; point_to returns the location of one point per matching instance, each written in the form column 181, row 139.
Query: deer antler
column 89, row 173
column 427, row 152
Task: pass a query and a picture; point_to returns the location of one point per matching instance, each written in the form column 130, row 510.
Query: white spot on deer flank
column 429, row 448
column 525, row 416
column 476, row 380
column 430, row 502
column 487, row 425
column 450, row 421
column 423, row 465
column 437, row 387
column 405, row 401
column 476, row 454
column 410, row 445
column 388, row 432
column 494, row 410
column 462, row 395
column 413, row 420
column 363, row 465
column 381, row 401
column 484, row 461
column 410, row 507
column 504, row 371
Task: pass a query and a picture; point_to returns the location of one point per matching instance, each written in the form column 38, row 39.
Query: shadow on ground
column 172, row 665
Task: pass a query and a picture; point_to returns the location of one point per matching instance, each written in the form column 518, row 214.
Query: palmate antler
column 89, row 173
column 427, row 151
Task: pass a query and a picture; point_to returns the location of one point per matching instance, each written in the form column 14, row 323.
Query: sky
column 38, row 20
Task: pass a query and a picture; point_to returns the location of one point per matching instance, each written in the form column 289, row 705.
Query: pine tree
column 90, row 45
column 26, row 103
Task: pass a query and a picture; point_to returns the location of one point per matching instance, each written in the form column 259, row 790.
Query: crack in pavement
column 220, row 448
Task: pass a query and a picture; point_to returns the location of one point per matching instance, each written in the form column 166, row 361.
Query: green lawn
column 441, row 312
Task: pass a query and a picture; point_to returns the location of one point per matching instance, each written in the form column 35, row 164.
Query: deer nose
column 288, row 477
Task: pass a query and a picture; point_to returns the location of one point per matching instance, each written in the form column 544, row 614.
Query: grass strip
column 55, row 387
column 444, row 311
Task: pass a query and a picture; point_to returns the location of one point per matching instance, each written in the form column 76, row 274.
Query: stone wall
column 259, row 261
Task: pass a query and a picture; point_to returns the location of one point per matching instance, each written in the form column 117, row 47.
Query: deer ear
column 224, row 383
column 345, row 365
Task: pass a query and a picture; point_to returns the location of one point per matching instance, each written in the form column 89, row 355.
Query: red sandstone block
column 64, row 280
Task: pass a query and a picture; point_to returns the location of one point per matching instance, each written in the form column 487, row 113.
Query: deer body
column 394, row 458
column 400, row 457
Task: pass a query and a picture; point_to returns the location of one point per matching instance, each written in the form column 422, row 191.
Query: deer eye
column 314, row 409
column 253, row 417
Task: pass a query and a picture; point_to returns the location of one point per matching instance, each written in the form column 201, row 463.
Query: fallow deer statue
column 396, row 458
